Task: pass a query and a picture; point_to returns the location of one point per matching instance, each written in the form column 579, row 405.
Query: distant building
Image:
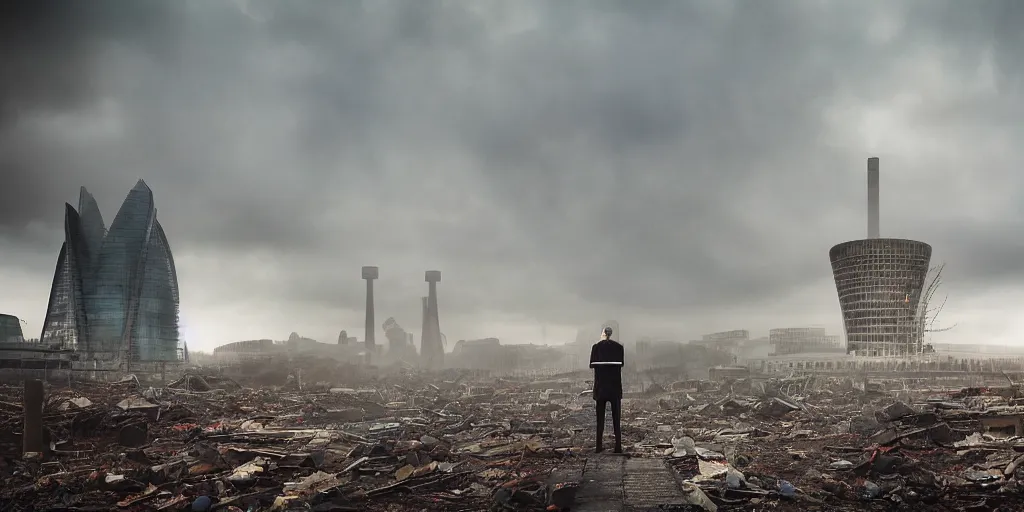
column 725, row 340
column 881, row 286
column 115, row 293
column 462, row 346
column 400, row 344
column 249, row 346
column 723, row 373
column 483, row 353
column 654, row 353
column 736, row 335
column 977, row 350
column 693, row 358
column 754, row 348
column 295, row 345
column 490, row 354
column 802, row 340
column 10, row 329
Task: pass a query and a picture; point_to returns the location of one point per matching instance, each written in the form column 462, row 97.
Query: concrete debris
column 76, row 403
column 404, row 440
column 695, row 496
column 894, row 411
column 135, row 403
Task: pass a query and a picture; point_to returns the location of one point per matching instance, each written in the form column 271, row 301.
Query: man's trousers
column 616, row 423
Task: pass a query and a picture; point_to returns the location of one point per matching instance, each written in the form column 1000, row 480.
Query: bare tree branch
column 927, row 316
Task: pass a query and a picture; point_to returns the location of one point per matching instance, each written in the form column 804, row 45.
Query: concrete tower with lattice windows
column 881, row 283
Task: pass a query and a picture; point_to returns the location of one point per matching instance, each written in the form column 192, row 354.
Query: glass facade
column 10, row 329
column 115, row 293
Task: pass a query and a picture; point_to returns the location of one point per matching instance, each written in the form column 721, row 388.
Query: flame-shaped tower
column 114, row 294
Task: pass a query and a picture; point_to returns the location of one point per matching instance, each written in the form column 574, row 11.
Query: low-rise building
column 10, row 329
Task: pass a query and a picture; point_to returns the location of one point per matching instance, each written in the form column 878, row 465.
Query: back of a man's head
column 606, row 334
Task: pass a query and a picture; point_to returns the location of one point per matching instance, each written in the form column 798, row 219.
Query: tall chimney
column 370, row 274
column 424, row 327
column 432, row 347
column 873, row 230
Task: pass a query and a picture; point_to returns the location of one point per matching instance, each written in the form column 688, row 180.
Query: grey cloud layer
column 557, row 159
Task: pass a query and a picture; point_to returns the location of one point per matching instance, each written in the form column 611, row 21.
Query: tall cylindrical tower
column 433, row 349
column 370, row 274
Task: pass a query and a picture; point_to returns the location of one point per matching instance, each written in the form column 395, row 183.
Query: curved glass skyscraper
column 114, row 293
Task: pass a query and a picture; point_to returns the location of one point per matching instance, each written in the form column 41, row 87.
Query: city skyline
column 681, row 167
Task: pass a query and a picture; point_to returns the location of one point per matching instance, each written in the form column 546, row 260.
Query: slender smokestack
column 370, row 274
column 873, row 230
column 424, row 328
column 433, row 348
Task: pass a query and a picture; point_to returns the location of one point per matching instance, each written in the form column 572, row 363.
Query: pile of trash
column 205, row 442
column 945, row 450
column 461, row 441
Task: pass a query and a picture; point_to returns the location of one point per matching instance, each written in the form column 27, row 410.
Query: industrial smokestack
column 424, row 327
column 432, row 348
column 873, row 229
column 370, row 274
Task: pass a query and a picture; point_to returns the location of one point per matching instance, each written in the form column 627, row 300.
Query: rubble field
column 411, row 441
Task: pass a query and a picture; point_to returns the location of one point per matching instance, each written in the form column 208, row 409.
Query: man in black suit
column 607, row 358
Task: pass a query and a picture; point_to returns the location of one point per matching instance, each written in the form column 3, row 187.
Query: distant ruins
column 881, row 286
column 400, row 345
column 797, row 340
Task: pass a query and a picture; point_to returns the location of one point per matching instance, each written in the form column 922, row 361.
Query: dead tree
column 927, row 314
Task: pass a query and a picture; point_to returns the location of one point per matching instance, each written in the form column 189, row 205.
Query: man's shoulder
column 608, row 343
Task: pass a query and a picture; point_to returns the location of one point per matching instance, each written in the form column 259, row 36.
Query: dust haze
column 681, row 167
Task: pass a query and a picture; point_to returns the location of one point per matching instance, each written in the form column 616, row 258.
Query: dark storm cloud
column 49, row 47
column 561, row 159
column 49, row 51
column 666, row 126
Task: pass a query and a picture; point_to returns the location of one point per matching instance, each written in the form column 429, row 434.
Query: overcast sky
column 681, row 166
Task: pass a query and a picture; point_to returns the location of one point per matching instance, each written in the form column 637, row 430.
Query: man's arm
column 593, row 355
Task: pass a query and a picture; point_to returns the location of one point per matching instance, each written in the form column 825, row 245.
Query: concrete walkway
column 614, row 483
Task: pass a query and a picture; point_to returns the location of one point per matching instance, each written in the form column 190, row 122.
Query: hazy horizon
column 681, row 167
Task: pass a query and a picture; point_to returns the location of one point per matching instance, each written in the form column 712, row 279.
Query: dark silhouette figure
column 606, row 358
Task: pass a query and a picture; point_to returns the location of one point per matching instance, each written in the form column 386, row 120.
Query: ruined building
column 115, row 293
column 880, row 282
column 800, row 340
column 400, row 344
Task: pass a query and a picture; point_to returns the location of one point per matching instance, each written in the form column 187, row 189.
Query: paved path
column 613, row 483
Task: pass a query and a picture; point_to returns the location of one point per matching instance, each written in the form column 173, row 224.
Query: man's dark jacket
column 607, row 358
